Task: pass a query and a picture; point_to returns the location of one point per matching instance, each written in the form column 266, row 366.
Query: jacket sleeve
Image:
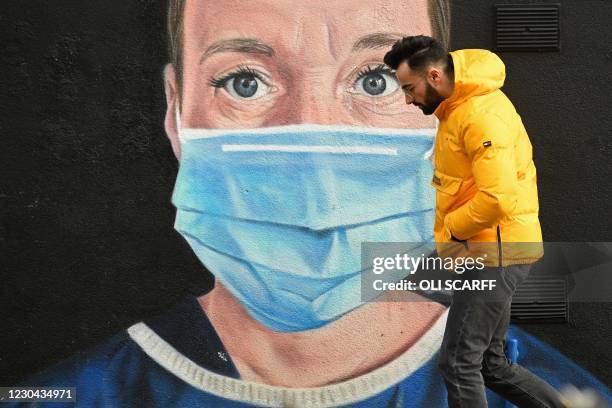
column 489, row 143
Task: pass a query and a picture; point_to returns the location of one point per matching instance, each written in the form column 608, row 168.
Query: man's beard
column 432, row 100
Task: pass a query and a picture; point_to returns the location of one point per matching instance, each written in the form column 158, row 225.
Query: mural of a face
column 298, row 219
column 269, row 62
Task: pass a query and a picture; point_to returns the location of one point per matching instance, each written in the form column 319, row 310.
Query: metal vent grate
column 538, row 299
column 527, row 27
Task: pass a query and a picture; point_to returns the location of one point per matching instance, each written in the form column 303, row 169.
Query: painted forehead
column 305, row 28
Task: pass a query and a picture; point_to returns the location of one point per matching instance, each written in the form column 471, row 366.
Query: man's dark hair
column 419, row 52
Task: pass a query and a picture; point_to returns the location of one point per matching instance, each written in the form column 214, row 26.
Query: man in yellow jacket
column 486, row 205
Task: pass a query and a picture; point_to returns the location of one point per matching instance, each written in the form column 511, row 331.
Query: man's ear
column 172, row 103
column 434, row 75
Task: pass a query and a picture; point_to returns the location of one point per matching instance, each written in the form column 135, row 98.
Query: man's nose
column 409, row 99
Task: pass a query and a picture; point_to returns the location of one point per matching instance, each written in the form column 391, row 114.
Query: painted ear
column 172, row 109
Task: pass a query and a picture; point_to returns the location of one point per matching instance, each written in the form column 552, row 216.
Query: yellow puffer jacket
column 484, row 173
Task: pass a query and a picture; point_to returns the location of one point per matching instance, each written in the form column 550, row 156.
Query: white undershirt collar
column 346, row 392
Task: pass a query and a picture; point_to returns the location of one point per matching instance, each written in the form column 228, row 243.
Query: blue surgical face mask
column 278, row 214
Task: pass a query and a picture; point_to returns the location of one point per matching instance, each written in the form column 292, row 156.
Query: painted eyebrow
column 255, row 46
column 376, row 40
column 245, row 45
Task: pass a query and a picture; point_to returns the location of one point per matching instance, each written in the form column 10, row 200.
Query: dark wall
column 87, row 244
column 564, row 101
column 86, row 239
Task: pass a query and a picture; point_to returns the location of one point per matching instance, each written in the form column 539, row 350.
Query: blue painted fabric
column 119, row 374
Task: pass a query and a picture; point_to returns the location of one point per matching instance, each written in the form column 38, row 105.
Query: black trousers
column 472, row 354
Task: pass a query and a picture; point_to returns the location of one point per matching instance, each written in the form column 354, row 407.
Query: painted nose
column 316, row 102
column 312, row 100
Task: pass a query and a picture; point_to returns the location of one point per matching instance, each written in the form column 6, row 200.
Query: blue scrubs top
column 178, row 360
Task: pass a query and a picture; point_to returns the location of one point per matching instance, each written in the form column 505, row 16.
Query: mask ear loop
column 179, row 129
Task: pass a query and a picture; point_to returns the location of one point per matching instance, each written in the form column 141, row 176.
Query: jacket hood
column 477, row 72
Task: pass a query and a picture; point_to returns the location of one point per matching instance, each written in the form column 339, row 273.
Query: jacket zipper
column 499, row 247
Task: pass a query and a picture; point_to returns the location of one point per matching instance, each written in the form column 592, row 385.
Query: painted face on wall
column 275, row 194
column 269, row 62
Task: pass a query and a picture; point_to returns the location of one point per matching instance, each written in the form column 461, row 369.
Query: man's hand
column 463, row 241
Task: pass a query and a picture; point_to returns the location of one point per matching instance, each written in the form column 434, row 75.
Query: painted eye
column 246, row 86
column 376, row 82
column 243, row 84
